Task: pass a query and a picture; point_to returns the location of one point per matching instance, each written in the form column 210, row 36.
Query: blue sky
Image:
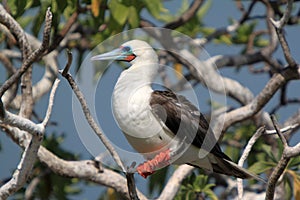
column 218, row 16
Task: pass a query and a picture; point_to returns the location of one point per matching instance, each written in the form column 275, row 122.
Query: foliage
column 100, row 19
column 158, row 180
column 196, row 187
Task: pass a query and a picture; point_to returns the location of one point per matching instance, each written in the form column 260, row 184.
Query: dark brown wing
column 185, row 121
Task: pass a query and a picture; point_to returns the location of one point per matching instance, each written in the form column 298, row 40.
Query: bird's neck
column 132, row 94
column 137, row 78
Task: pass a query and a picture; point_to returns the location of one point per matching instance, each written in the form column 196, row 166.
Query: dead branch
column 6, row 19
column 33, row 143
column 244, row 156
column 186, row 16
column 279, row 169
column 262, row 98
column 88, row 115
column 51, row 102
column 280, row 33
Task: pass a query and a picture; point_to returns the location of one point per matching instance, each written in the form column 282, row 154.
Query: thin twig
column 280, row 167
column 58, row 38
column 228, row 29
column 68, row 65
column 2, row 111
column 280, row 33
column 278, row 131
column 131, row 186
column 32, row 57
column 88, row 114
column 50, row 104
column 244, row 156
column 287, row 154
column 283, row 130
column 186, row 16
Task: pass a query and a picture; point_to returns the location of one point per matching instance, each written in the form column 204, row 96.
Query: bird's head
column 133, row 51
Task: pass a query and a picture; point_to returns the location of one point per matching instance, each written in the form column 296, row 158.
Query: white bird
column 166, row 128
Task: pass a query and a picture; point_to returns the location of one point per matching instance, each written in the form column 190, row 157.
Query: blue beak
column 121, row 54
column 117, row 54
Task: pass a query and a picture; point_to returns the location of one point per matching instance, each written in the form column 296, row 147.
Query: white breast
column 133, row 114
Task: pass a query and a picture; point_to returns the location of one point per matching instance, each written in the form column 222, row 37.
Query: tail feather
column 230, row 168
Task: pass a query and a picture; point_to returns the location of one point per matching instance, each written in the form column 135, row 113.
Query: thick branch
column 86, row 169
column 32, row 144
column 262, row 98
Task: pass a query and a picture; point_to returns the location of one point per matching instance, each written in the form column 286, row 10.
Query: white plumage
column 164, row 127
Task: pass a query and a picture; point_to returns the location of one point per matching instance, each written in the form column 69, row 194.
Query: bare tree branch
column 88, row 114
column 86, row 169
column 244, row 156
column 131, row 186
column 283, row 130
column 14, row 27
column 24, row 167
column 43, row 86
column 227, row 29
column 280, row 33
column 186, row 16
column 6, row 19
column 262, row 98
column 29, row 156
column 50, row 104
column 279, row 169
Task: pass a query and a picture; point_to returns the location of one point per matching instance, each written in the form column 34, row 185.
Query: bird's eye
column 126, row 49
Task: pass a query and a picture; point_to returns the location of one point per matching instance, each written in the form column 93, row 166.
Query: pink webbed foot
column 148, row 167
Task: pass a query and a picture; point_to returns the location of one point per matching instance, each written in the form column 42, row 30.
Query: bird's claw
column 148, row 167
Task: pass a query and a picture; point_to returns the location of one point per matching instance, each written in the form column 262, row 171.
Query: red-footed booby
column 166, row 128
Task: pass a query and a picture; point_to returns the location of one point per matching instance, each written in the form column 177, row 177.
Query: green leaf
column 243, row 33
column 133, row 17
column 206, row 30
column 25, row 20
column 17, row 7
column 233, row 152
column 294, row 162
column 261, row 42
column 226, row 39
column 40, row 17
column 157, row 180
column 268, row 150
column 119, row 11
column 210, row 194
column 155, row 8
column 262, row 166
column 296, row 183
column 204, row 9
